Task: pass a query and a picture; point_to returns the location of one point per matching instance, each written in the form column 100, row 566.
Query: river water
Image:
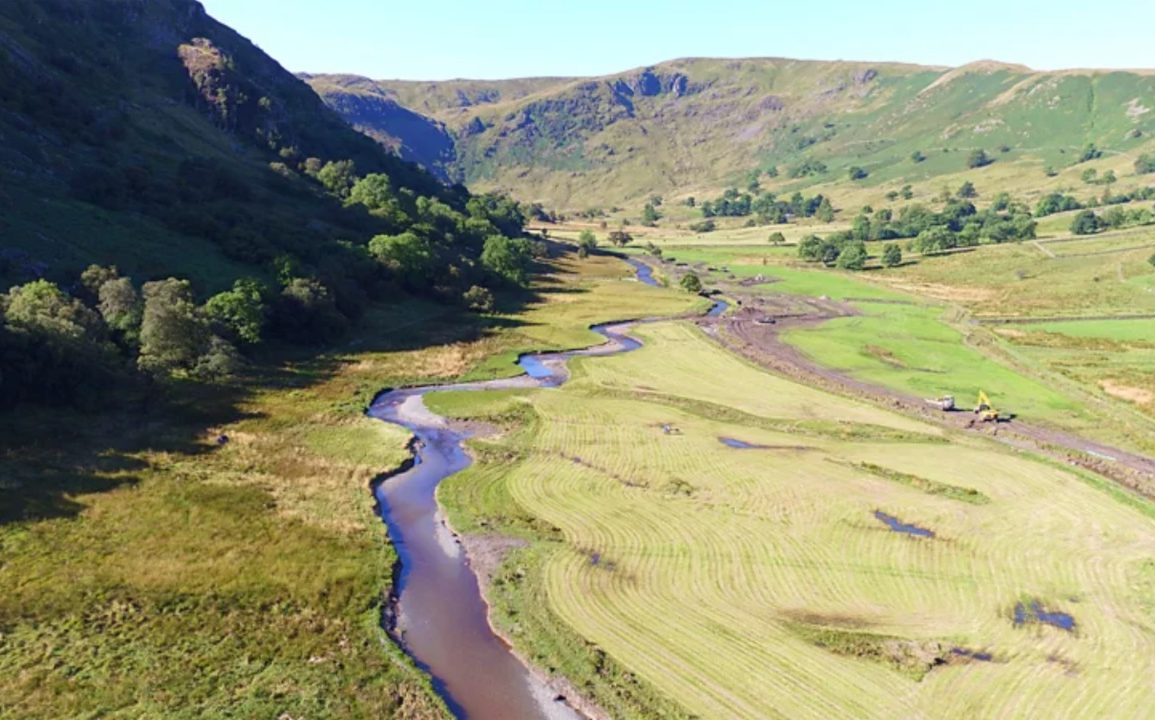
column 441, row 617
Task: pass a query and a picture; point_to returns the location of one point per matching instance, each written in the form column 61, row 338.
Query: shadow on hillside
column 51, row 457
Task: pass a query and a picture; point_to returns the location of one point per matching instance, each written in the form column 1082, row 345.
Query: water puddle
column 1034, row 612
column 738, row 444
column 898, row 526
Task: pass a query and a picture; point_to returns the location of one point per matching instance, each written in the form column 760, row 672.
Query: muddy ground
column 753, row 331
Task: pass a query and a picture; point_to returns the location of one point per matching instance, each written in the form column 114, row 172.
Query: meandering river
column 441, row 616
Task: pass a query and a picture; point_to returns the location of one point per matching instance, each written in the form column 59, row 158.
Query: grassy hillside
column 694, row 126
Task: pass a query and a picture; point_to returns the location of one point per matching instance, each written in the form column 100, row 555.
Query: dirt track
column 753, row 332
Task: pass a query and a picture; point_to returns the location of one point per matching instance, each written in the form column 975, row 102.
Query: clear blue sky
column 438, row 39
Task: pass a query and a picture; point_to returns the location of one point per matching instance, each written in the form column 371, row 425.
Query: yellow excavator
column 984, row 409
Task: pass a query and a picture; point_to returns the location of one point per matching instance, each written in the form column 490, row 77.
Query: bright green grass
column 909, row 348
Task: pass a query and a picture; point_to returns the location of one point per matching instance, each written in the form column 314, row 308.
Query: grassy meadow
column 150, row 572
column 758, row 582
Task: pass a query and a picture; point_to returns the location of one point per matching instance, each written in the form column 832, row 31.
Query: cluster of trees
column 844, row 251
column 1060, row 202
column 766, row 208
column 1088, row 222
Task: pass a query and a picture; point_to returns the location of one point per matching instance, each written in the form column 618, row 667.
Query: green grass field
column 757, row 583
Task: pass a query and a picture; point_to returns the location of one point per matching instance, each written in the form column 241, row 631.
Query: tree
column 1145, row 164
column 173, row 333
column 94, row 277
column 478, row 299
column 825, row 211
column 650, row 215
column 306, row 312
column 1086, row 223
column 907, row 192
column 967, row 190
column 691, row 283
column 1090, row 176
column 857, row 173
column 620, row 238
column 777, row 238
column 1090, row 152
column 860, row 229
column 978, row 158
column 917, row 156
column 810, row 248
column 121, row 307
column 587, row 243
column 1151, row 261
column 508, row 258
column 375, row 192
column 408, row 256
column 241, row 312
column 338, row 177
column 853, row 256
column 891, row 255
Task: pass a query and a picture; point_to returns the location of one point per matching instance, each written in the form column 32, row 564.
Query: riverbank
column 149, row 541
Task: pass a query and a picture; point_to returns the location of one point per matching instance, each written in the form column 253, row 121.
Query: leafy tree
column 935, row 239
column 1002, row 201
column 777, row 238
column 94, row 277
column 691, row 201
column 907, row 192
column 812, row 248
column 978, row 158
column 121, row 307
column 1090, row 152
column 650, row 215
column 1108, row 178
column 1086, row 223
column 1056, row 203
column 478, row 299
column 306, row 313
column 376, row 192
column 1090, row 176
column 860, row 229
column 1145, row 164
column 917, row 156
column 173, row 333
column 704, row 226
column 1151, row 260
column 857, row 173
column 338, row 177
column 891, row 255
column 620, row 238
column 410, row 257
column 1050, row 171
column 967, row 190
column 825, row 211
column 691, row 283
column 772, row 171
column 508, row 258
column 853, row 256
column 587, row 243
column 241, row 311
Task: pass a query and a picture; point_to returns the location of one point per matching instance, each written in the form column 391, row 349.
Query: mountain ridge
column 700, row 124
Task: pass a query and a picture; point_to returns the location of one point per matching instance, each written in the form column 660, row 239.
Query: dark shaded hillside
column 699, row 125
column 149, row 135
column 411, row 135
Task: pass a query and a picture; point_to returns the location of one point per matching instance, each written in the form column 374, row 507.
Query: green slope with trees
column 697, row 126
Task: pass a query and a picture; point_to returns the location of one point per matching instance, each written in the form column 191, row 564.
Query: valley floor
column 676, row 531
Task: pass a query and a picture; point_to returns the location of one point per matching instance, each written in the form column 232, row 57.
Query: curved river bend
column 442, row 620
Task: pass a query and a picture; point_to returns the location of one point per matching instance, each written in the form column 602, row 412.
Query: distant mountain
column 697, row 125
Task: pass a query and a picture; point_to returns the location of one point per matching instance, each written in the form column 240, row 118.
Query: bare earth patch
column 1136, row 395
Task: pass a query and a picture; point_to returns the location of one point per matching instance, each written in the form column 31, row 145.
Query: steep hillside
column 149, row 135
column 697, row 125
